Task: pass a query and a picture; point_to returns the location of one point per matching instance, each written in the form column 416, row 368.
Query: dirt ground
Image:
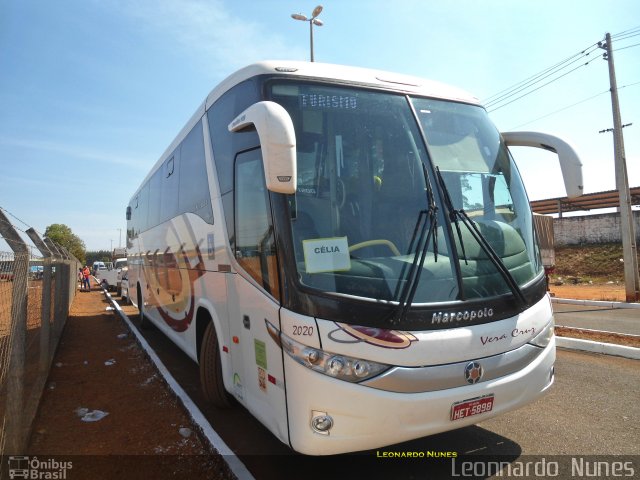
column 583, row 291
column 99, row 368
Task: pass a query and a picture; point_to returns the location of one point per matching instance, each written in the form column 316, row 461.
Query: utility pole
column 631, row 276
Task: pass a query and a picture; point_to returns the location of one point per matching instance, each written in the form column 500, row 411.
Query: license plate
column 474, row 406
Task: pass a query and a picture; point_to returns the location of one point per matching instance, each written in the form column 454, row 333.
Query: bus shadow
column 470, row 452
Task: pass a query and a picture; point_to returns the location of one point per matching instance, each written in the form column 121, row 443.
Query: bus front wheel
column 211, row 370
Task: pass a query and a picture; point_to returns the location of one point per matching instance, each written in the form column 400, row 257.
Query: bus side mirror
column 278, row 141
column 128, row 213
column 570, row 163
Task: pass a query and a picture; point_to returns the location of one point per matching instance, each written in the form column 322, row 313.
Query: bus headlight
column 544, row 337
column 337, row 366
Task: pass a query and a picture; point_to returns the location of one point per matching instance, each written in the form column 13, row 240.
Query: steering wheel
column 380, row 241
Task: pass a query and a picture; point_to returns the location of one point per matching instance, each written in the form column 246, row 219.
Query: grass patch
column 597, row 263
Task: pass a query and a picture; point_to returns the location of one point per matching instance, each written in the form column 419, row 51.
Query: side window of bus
column 139, row 212
column 155, row 194
column 194, row 183
column 170, row 184
column 255, row 247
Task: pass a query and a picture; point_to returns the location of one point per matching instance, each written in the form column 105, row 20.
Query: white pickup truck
column 111, row 277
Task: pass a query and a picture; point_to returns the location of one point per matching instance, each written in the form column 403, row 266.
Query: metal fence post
column 14, row 426
column 45, row 330
column 58, row 312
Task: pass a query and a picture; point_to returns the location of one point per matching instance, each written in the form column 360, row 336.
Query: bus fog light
column 335, row 366
column 313, row 356
column 361, row 368
column 321, row 422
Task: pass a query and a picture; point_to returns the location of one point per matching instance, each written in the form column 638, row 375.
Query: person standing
column 87, row 281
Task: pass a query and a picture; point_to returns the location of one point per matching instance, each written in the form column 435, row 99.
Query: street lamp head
column 312, row 21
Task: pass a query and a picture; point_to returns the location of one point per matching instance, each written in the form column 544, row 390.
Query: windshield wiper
column 421, row 248
column 460, row 214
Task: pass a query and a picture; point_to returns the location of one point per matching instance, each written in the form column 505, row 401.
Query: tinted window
column 226, row 144
column 170, row 184
column 255, row 246
column 194, row 184
column 140, row 211
column 155, row 192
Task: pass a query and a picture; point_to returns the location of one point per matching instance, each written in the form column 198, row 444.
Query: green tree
column 63, row 235
column 98, row 255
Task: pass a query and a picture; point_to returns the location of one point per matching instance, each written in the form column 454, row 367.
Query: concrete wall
column 601, row 228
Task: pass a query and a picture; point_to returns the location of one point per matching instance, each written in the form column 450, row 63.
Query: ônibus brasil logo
column 34, row 468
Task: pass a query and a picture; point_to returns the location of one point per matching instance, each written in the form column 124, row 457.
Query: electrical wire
column 506, row 96
column 518, row 87
column 571, row 106
column 560, row 110
column 628, row 46
column 541, row 86
column 626, row 34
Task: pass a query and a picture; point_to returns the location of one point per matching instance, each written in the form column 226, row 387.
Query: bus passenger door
column 254, row 300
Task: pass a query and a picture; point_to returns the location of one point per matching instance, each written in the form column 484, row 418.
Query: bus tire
column 211, row 370
column 145, row 324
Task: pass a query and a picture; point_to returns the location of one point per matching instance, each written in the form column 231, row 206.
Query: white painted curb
column 237, row 467
column 595, row 303
column 598, row 347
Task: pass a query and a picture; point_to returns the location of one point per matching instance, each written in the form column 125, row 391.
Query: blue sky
column 92, row 92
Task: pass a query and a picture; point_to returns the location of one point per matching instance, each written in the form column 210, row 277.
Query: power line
column 506, row 96
column 514, row 89
column 631, row 30
column 541, row 86
column 571, row 106
column 626, row 34
column 560, row 110
column 628, row 46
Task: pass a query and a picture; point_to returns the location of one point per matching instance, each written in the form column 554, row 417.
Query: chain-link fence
column 37, row 285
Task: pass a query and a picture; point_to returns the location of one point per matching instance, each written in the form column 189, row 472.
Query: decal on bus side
column 378, row 337
column 157, row 276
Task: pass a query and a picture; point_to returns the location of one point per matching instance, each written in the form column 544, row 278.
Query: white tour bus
column 349, row 254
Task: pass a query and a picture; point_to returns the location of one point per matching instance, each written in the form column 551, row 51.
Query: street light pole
column 312, row 21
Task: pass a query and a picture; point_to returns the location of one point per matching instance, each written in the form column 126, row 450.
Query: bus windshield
column 379, row 176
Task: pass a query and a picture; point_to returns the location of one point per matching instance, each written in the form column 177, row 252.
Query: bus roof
column 343, row 74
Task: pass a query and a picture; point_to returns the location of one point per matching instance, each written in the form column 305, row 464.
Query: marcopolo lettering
column 464, row 316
